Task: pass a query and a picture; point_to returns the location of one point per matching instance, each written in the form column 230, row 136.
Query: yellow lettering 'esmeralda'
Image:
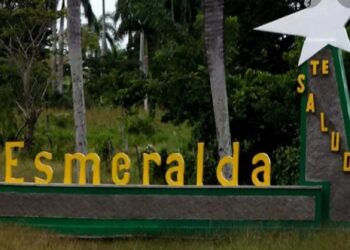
column 82, row 165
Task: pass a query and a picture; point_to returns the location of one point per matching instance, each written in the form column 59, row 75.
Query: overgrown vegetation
column 260, row 78
column 250, row 239
column 110, row 132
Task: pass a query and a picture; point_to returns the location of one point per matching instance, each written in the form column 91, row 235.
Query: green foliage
column 89, row 41
column 135, row 15
column 261, row 50
column 184, row 11
column 285, row 169
column 114, row 80
column 182, row 78
column 261, row 86
column 110, row 131
column 23, row 44
column 258, row 103
column 142, row 126
column 8, row 120
column 24, row 23
column 231, row 42
column 54, row 133
column 9, row 79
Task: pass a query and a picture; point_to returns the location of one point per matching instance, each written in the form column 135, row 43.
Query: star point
column 321, row 25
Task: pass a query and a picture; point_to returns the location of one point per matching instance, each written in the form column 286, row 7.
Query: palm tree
column 60, row 73
column 131, row 22
column 143, row 59
column 54, row 36
column 125, row 17
column 183, row 11
column 104, row 39
column 213, row 32
column 172, row 10
column 75, row 59
column 88, row 12
column 106, row 24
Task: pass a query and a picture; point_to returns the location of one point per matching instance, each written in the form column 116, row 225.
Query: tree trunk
column 172, row 11
column 104, row 39
column 144, row 63
column 130, row 41
column 142, row 50
column 30, row 112
column 75, row 59
column 54, row 53
column 214, row 32
column 29, row 136
column 60, row 72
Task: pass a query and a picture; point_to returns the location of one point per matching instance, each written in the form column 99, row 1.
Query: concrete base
column 161, row 203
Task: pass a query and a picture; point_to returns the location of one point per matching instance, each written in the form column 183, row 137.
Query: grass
column 109, row 131
column 23, row 238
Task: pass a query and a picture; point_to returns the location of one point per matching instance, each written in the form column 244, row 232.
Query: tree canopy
column 260, row 70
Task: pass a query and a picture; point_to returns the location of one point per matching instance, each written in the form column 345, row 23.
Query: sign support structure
column 320, row 164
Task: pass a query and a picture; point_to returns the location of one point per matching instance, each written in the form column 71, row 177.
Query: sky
column 97, row 9
column 97, row 6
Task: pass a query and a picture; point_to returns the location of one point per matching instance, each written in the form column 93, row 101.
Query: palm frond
column 89, row 13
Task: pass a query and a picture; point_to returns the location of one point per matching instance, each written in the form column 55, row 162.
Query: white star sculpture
column 322, row 25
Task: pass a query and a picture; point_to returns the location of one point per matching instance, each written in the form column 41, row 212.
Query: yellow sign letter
column 346, row 166
column 116, row 168
column 200, row 159
column 155, row 157
column 301, row 80
column 12, row 162
column 335, row 142
column 324, row 129
column 179, row 170
column 234, row 162
column 325, row 67
column 310, row 106
column 265, row 169
column 82, row 159
column 314, row 66
column 44, row 168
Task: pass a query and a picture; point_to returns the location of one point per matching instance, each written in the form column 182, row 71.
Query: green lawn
column 20, row 238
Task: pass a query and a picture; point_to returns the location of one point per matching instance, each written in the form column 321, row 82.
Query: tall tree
column 54, row 37
column 183, row 11
column 88, row 12
column 75, row 60
column 127, row 22
column 23, row 39
column 172, row 10
column 104, row 39
column 134, row 17
column 104, row 27
column 60, row 61
column 143, row 58
column 214, row 43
